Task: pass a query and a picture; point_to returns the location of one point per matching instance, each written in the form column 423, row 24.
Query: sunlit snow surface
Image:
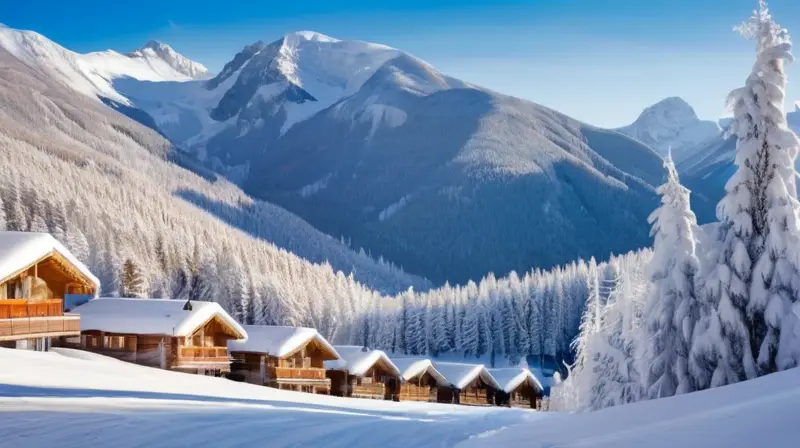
column 69, row 398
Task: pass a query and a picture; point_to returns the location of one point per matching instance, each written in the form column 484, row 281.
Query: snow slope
column 671, row 123
column 69, row 398
column 760, row 412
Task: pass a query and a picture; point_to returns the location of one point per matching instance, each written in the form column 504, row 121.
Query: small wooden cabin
column 36, row 274
column 363, row 373
column 470, row 384
column 282, row 357
column 420, row 379
column 519, row 388
column 170, row 334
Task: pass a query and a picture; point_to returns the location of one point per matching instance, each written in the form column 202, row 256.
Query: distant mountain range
column 366, row 142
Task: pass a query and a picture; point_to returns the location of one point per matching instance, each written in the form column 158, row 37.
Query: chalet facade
column 290, row 358
column 519, row 388
column 470, row 384
column 420, row 381
column 37, row 273
column 363, row 373
column 170, row 334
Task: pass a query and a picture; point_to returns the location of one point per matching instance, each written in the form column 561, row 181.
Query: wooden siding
column 302, row 370
column 378, row 383
column 200, row 352
column 421, row 388
column 476, row 393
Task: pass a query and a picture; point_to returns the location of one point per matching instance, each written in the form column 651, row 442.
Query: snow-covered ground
column 70, row 398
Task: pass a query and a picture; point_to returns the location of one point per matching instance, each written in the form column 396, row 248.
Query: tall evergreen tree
column 755, row 282
column 132, row 281
column 672, row 308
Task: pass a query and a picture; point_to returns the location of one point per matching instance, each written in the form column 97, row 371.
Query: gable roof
column 413, row 367
column 279, row 341
column 512, row 377
column 151, row 316
column 459, row 375
column 357, row 361
column 21, row 250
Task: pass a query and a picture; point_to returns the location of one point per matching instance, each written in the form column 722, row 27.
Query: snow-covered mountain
column 127, row 194
column 94, row 74
column 671, row 123
column 367, row 142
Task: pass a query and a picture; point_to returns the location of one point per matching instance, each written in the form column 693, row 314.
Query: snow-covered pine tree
column 132, row 282
column 755, row 281
column 584, row 345
column 672, row 308
column 614, row 347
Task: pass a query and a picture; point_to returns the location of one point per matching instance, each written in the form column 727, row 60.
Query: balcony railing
column 24, row 327
column 204, row 354
column 24, row 308
column 288, row 373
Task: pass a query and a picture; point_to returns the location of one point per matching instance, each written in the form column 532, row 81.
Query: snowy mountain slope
column 671, row 123
column 322, row 125
column 310, row 121
column 132, row 406
column 93, row 74
column 421, row 169
column 105, row 162
column 156, row 53
column 261, row 93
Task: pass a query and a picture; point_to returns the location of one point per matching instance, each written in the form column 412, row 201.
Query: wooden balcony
column 22, row 319
column 203, row 355
column 287, row 373
column 375, row 391
column 23, row 308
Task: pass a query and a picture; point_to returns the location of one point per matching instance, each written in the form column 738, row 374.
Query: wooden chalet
column 171, row 334
column 420, row 381
column 36, row 274
column 282, row 357
column 470, row 384
column 363, row 373
column 519, row 388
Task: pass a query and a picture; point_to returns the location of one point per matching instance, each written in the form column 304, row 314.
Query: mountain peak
column 311, row 35
column 156, row 45
column 154, row 49
column 673, row 108
column 671, row 123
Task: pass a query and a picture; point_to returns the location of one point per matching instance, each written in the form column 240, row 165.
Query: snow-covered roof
column 511, row 378
column 459, row 375
column 151, row 316
column 358, row 361
column 20, row 250
column 278, row 341
column 413, row 367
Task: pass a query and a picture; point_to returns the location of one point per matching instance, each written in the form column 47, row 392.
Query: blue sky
column 601, row 61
